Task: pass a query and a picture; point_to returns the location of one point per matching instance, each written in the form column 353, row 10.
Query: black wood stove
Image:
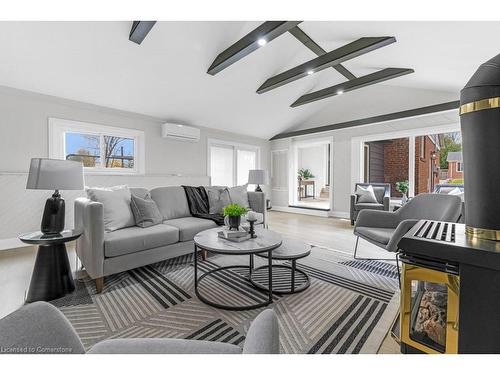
column 450, row 290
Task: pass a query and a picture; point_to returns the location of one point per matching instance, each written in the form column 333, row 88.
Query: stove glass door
column 429, row 309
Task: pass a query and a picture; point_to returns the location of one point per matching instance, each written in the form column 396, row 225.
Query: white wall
column 24, row 135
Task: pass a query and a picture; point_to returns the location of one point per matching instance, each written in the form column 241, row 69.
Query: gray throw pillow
column 145, row 210
column 239, row 195
column 218, row 198
column 116, row 204
column 366, row 195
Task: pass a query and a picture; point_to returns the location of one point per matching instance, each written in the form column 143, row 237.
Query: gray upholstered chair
column 40, row 328
column 446, row 189
column 385, row 229
column 382, row 193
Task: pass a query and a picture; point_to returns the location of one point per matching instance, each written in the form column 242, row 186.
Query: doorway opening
column 312, row 175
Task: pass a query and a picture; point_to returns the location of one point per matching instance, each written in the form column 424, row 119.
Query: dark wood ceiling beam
column 140, row 30
column 335, row 57
column 268, row 31
column 373, row 120
column 354, row 84
column 306, row 40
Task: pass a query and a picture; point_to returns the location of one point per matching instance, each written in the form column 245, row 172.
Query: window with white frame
column 229, row 163
column 101, row 149
column 460, row 167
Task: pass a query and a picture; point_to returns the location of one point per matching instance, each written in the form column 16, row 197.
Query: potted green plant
column 305, row 174
column 402, row 187
column 234, row 212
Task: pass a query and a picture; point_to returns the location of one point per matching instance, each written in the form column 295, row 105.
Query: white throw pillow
column 366, row 195
column 116, row 202
column 239, row 195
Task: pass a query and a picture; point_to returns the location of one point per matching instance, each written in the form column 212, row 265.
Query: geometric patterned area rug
column 349, row 307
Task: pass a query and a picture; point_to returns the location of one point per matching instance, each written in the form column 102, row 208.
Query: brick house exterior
column 388, row 162
column 426, row 163
column 455, row 166
column 396, row 163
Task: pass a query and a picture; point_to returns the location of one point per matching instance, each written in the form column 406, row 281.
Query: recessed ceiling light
column 310, row 72
column 261, row 42
column 340, row 92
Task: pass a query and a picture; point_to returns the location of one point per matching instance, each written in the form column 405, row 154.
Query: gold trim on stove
column 410, row 273
column 485, row 234
column 480, row 105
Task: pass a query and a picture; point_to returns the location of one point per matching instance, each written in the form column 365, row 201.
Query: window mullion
column 102, row 151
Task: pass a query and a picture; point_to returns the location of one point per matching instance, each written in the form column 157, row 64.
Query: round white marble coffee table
column 208, row 240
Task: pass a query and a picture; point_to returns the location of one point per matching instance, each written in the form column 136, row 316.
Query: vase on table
column 234, row 222
column 404, row 199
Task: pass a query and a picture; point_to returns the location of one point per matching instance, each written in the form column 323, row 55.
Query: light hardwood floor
column 330, row 233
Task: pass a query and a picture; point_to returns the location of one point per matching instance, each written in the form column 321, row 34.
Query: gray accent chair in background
column 382, row 193
column 40, row 328
column 446, row 189
column 385, row 229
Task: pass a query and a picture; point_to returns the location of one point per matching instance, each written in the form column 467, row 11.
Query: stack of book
column 234, row 235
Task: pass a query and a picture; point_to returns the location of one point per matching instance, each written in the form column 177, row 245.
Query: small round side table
column 290, row 250
column 51, row 278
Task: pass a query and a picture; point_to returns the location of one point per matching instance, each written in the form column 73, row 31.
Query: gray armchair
column 40, row 328
column 382, row 193
column 385, row 229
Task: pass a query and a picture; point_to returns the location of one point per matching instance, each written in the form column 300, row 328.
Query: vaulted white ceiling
column 166, row 77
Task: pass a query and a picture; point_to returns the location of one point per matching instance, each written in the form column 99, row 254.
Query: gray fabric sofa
column 106, row 253
column 40, row 328
column 382, row 193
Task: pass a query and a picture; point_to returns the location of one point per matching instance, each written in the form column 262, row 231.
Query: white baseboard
column 302, row 211
column 340, row 214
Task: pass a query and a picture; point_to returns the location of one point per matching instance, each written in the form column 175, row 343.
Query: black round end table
column 297, row 281
column 51, row 278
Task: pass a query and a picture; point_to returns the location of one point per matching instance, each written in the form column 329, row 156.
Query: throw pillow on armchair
column 365, row 195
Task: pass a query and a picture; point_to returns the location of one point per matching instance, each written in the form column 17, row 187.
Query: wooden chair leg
column 99, row 284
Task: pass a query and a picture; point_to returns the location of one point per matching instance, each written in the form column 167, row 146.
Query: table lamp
column 54, row 174
column 258, row 177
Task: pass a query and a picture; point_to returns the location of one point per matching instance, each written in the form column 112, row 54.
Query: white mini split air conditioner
column 180, row 132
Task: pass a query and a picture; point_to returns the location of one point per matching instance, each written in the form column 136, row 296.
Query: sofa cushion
column 239, row 195
column 371, row 206
column 190, row 226
column 380, row 235
column 139, row 192
column 133, row 239
column 172, row 201
column 218, row 198
column 146, row 213
column 116, row 206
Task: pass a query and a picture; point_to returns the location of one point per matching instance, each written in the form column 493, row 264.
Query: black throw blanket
column 198, row 204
